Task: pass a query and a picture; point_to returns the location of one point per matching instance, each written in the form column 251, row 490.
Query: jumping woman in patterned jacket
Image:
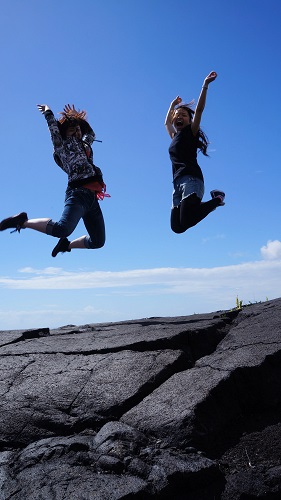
column 183, row 126
column 72, row 138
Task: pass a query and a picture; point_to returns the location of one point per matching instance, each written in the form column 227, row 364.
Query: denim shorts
column 186, row 185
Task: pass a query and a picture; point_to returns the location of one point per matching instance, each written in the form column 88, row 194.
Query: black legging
column 191, row 211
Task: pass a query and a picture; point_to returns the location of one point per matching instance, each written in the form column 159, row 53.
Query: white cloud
column 272, row 250
column 47, row 270
column 157, row 280
column 91, row 297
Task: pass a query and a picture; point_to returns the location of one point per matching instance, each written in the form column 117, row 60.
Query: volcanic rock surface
column 176, row 408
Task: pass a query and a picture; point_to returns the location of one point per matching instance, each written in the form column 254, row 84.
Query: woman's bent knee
column 93, row 244
column 177, row 229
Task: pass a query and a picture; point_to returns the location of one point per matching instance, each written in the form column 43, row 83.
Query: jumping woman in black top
column 183, row 126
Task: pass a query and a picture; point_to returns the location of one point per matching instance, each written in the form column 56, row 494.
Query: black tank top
column 183, row 154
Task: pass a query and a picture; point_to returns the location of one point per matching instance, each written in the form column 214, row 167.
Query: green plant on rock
column 238, row 303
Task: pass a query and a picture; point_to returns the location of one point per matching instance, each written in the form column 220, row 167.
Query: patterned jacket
column 74, row 156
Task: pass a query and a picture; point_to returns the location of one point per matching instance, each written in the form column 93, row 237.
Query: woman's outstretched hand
column 42, row 107
column 210, row 78
column 176, row 101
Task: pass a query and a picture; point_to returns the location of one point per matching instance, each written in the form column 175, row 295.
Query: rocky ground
column 177, row 408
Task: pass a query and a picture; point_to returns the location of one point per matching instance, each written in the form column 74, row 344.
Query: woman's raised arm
column 195, row 125
column 169, row 117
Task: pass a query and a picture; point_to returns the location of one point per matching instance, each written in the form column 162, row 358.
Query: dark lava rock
column 176, row 408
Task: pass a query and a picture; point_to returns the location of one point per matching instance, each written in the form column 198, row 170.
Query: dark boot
column 62, row 246
column 15, row 221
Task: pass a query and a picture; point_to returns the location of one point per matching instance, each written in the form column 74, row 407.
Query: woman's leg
column 94, row 223
column 36, row 224
column 74, row 208
column 187, row 194
column 175, row 220
column 21, row 221
column 207, row 207
column 188, row 208
column 191, row 211
column 77, row 243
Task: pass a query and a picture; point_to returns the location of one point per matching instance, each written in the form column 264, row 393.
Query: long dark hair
column 203, row 140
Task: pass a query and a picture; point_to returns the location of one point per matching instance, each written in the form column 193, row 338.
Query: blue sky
column 124, row 61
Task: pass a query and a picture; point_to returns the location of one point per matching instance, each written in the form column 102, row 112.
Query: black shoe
column 218, row 194
column 15, row 221
column 62, row 246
